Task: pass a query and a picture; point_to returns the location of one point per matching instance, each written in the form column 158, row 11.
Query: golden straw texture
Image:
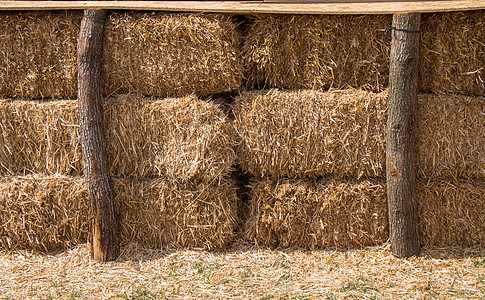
column 450, row 136
column 310, row 133
column 51, row 213
column 161, row 54
column 38, row 54
column 181, row 138
column 291, row 51
column 318, row 213
column 451, row 212
column 42, row 214
column 453, row 53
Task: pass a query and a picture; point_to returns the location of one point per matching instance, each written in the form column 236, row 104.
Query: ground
column 245, row 272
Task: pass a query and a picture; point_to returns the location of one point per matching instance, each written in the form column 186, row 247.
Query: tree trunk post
column 103, row 226
column 400, row 135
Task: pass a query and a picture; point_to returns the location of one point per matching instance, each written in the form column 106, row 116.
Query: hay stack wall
column 339, row 136
column 290, row 51
column 154, row 54
column 50, row 213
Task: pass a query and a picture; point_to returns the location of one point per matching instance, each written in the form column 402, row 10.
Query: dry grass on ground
column 244, row 272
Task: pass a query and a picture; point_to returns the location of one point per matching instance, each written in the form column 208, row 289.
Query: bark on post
column 103, row 224
column 400, row 136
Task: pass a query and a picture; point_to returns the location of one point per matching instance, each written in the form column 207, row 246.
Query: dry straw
column 453, row 53
column 38, row 54
column 170, row 54
column 310, row 133
column 183, row 138
column 452, row 212
column 42, row 214
column 39, row 137
column 450, row 136
column 353, row 51
column 321, row 52
column 49, row 214
column 318, row 213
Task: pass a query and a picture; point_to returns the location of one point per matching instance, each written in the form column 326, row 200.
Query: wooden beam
column 253, row 7
column 400, row 135
column 103, row 226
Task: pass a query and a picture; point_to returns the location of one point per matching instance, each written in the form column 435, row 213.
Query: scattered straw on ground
column 453, row 53
column 38, row 54
column 161, row 54
column 290, row 51
column 244, row 272
column 183, row 138
column 51, row 213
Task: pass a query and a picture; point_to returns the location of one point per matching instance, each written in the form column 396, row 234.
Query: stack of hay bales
column 319, row 163
column 319, row 158
column 169, row 158
column 312, row 154
column 327, row 51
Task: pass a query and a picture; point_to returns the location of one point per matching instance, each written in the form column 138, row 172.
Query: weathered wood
column 252, row 7
column 102, row 214
column 400, row 135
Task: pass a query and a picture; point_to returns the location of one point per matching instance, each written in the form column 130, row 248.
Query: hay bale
column 182, row 138
column 42, row 214
column 162, row 54
column 310, row 133
column 161, row 213
column 50, row 214
column 338, row 51
column 451, row 212
column 38, row 54
column 39, row 137
column 342, row 133
column 450, row 136
column 318, row 213
column 453, row 53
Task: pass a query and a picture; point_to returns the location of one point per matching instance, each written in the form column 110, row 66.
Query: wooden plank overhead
column 253, row 7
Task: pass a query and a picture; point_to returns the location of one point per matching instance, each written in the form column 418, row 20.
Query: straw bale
column 160, row 54
column 450, row 136
column 318, row 213
column 453, row 53
column 39, row 137
column 38, row 54
column 51, row 213
column 160, row 213
column 181, row 138
column 339, row 51
column 452, row 212
column 42, row 214
column 310, row 133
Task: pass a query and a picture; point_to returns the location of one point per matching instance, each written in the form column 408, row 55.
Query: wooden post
column 400, row 135
column 103, row 225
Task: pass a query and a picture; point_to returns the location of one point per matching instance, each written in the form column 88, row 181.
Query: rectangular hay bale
column 182, row 138
column 38, row 54
column 342, row 133
column 318, row 213
column 161, row 54
column 318, row 51
column 51, row 213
